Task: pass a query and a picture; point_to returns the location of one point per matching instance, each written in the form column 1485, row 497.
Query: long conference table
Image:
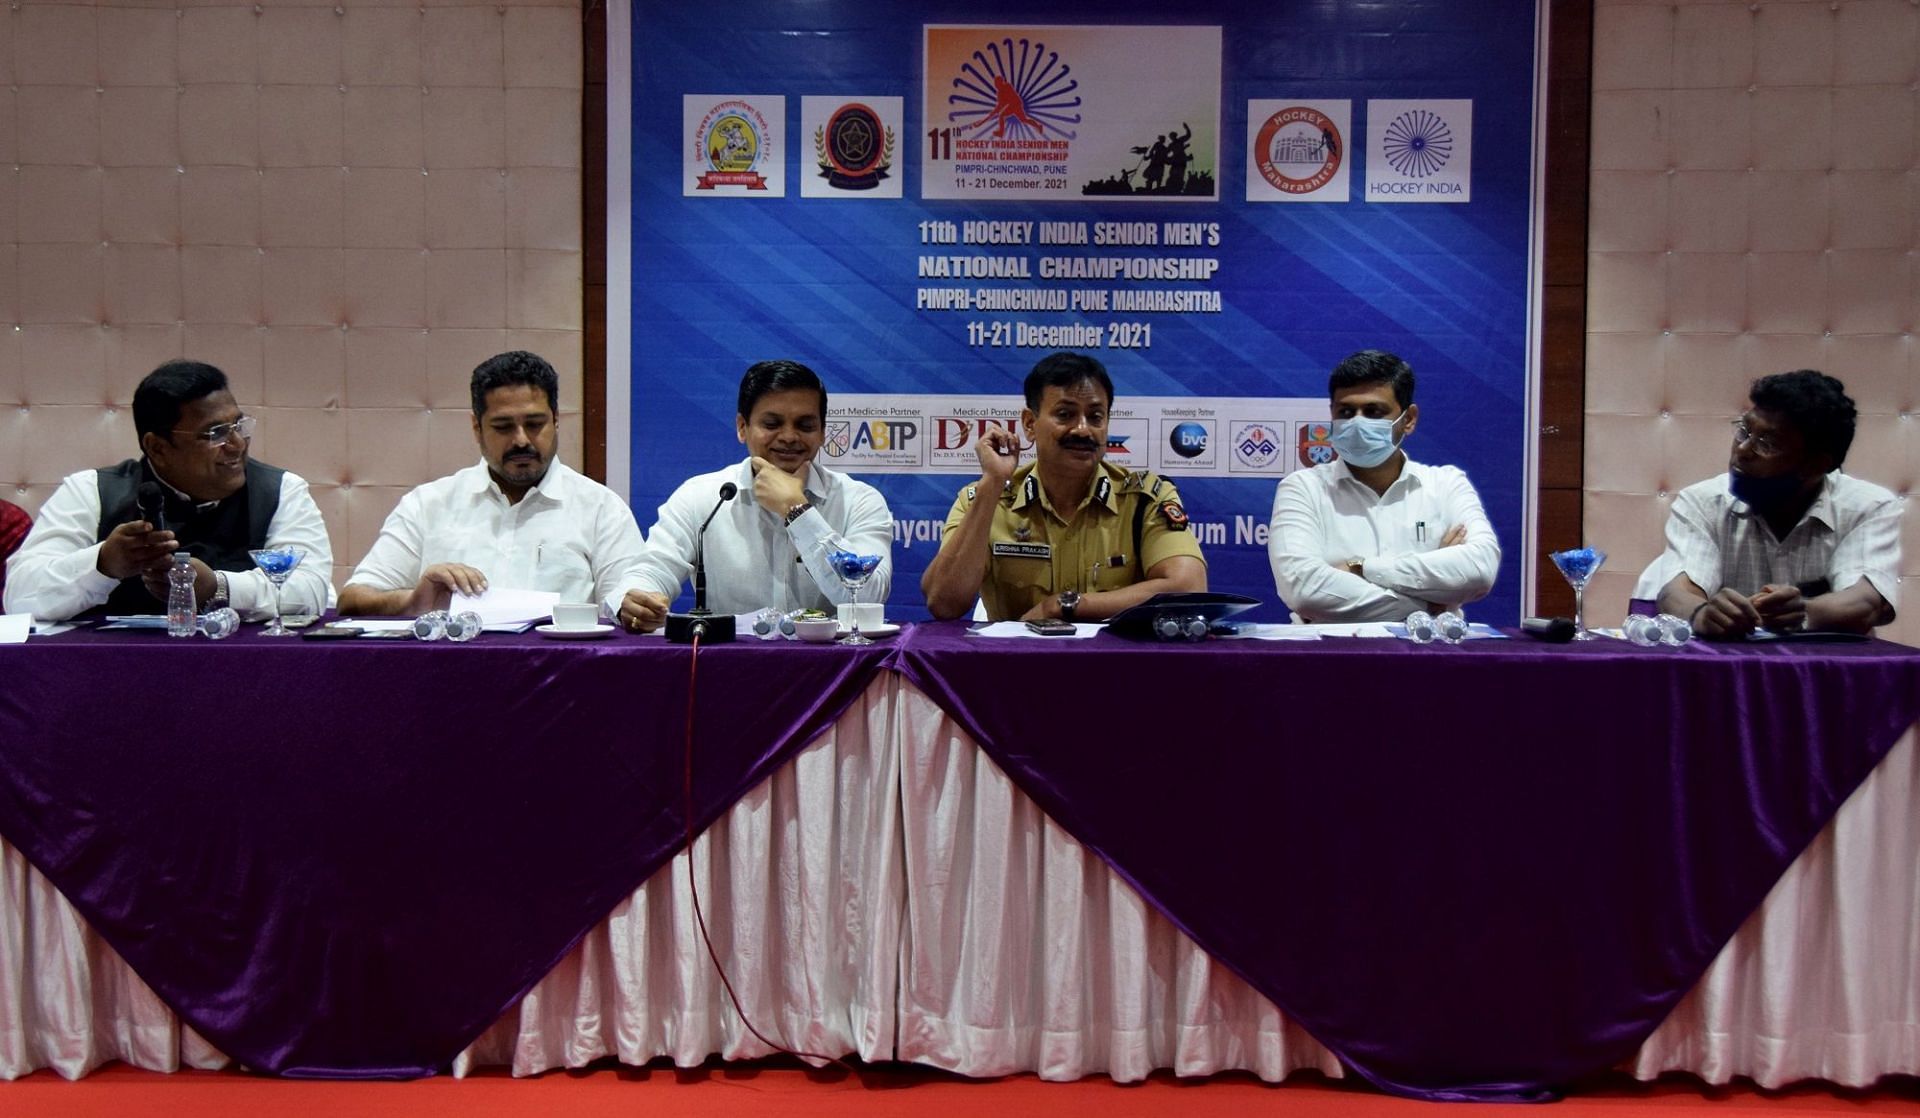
column 1474, row 872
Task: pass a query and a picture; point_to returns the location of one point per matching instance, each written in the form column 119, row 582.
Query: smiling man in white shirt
column 94, row 545
column 767, row 545
column 519, row 519
column 1374, row 535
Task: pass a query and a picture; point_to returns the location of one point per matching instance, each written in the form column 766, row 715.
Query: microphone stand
column 701, row 622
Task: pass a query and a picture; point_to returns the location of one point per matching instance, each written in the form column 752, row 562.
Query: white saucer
column 884, row 629
column 555, row 632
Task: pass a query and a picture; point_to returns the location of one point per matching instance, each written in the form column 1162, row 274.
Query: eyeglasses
column 220, row 432
column 1763, row 445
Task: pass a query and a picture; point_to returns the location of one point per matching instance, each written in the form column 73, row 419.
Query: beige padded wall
column 344, row 205
column 1753, row 211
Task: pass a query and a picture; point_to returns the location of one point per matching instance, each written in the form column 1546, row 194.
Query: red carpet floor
column 781, row 1088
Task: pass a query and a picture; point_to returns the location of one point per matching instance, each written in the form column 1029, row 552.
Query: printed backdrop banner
column 920, row 201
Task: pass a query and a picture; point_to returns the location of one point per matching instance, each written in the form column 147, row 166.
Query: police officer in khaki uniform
column 1070, row 536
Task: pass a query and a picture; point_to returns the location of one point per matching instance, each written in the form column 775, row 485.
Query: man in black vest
column 93, row 545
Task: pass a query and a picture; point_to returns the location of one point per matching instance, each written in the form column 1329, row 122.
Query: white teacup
column 872, row 615
column 575, row 615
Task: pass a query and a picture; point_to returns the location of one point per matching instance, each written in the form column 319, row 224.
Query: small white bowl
column 817, row 630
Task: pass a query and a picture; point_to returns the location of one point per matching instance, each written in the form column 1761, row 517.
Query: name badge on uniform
column 1023, row 550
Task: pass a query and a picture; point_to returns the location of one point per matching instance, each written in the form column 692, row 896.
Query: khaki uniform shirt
column 1035, row 552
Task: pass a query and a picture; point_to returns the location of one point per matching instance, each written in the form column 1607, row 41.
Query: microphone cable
column 693, row 885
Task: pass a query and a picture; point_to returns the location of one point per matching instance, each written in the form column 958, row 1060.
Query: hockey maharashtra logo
column 1299, row 150
column 1316, row 444
column 854, row 148
column 733, row 140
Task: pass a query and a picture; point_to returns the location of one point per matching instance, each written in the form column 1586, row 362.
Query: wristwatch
column 221, row 595
column 1069, row 601
column 797, row 511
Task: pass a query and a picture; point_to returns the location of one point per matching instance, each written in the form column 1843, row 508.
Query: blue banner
column 1219, row 201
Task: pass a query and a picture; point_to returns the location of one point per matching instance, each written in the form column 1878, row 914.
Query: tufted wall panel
column 345, row 205
column 1755, row 176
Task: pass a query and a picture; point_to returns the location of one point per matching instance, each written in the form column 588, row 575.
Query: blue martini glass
column 277, row 563
column 1577, row 566
column 853, row 570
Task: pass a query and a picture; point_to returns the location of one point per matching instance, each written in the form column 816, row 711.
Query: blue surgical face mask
column 1365, row 442
column 1763, row 492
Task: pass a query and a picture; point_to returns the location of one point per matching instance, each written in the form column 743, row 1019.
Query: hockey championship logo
column 1014, row 92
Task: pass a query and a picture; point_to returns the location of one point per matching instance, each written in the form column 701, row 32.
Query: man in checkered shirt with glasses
column 1785, row 541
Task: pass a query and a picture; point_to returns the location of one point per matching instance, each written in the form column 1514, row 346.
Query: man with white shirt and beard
column 519, row 519
column 1374, row 535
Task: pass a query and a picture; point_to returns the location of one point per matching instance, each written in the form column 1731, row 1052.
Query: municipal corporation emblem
column 1316, row 444
column 854, row 148
column 839, row 438
column 733, row 141
column 1299, row 150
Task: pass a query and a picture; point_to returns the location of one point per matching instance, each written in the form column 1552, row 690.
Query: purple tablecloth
column 348, row 859
column 1474, row 872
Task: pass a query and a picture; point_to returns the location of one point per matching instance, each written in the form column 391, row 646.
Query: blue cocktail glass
column 853, row 571
column 277, row 563
column 1577, row 566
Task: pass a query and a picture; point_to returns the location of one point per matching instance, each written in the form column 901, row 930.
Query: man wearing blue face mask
column 1783, row 541
column 1374, row 535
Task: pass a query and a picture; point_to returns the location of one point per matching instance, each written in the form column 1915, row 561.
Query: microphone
column 153, row 505
column 682, row 628
column 1553, row 630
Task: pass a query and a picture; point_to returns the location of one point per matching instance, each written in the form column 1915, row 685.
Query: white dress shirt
column 569, row 535
column 1326, row 516
column 754, row 559
column 1851, row 532
column 56, row 572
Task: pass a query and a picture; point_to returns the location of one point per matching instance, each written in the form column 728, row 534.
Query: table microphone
column 153, row 505
column 703, row 623
column 1553, row 630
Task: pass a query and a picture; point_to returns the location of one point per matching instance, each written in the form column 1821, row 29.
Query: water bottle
column 1676, row 631
column 181, row 621
column 463, row 626
column 1643, row 630
column 221, row 623
column 1420, row 627
column 1451, row 627
column 430, row 626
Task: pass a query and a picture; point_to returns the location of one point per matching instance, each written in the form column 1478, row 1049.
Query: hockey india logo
column 1299, row 150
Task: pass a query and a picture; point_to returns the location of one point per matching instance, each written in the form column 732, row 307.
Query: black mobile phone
column 1052, row 628
column 330, row 633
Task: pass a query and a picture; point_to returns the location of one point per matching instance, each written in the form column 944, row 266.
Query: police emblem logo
column 839, row 438
column 1023, row 532
column 1316, row 444
column 854, row 148
column 1176, row 516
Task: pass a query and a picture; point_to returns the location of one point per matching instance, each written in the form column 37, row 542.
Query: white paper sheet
column 499, row 606
column 1081, row 630
column 14, row 627
column 376, row 624
column 1269, row 632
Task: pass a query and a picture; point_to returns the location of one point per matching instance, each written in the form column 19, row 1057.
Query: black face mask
column 1763, row 493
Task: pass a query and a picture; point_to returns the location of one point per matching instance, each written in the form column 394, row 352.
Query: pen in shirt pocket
column 1419, row 531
